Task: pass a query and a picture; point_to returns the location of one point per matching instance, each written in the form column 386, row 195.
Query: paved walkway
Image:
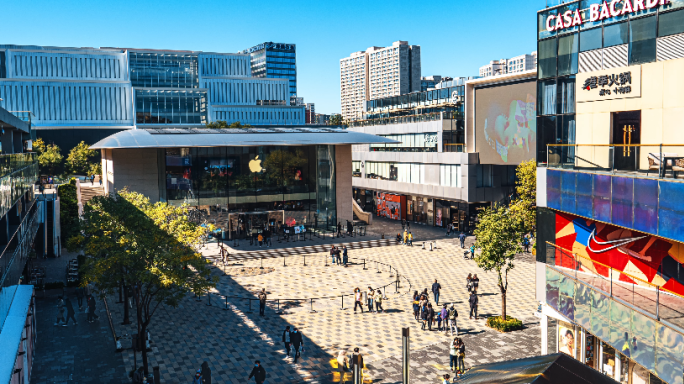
column 184, row 337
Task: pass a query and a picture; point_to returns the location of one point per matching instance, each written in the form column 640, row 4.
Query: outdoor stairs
column 88, row 193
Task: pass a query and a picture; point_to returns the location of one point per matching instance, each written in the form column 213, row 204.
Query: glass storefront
column 295, row 184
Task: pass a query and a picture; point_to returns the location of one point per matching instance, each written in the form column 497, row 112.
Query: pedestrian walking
column 436, row 287
column 91, row 309
column 378, row 302
column 70, row 312
column 286, row 340
column 416, row 305
column 526, row 243
column 430, row 316
column 338, row 255
column 424, row 315
column 333, row 254
column 410, row 239
column 473, row 305
column 260, row 238
column 92, row 180
column 370, row 295
column 79, row 297
column 405, row 237
column 445, row 378
column 60, row 312
column 258, row 372
column 442, row 316
column 472, row 251
column 360, row 363
column 345, row 256
column 476, row 283
column 139, row 375
column 462, row 238
column 453, row 355
column 461, row 357
column 297, row 343
column 262, row 302
column 342, row 365
column 358, row 296
column 339, row 229
column 452, row 314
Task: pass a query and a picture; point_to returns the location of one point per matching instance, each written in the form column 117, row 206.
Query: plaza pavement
column 230, row 340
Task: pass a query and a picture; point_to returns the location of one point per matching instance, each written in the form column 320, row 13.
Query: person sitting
column 398, row 237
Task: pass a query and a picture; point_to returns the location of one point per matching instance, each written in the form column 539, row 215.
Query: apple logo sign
column 255, row 165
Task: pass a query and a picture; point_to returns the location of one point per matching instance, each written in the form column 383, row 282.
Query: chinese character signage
column 609, row 84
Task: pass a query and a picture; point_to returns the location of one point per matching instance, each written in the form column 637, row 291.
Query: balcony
column 406, row 119
column 628, row 186
column 641, row 320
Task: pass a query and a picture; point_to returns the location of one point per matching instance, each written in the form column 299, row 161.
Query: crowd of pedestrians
column 372, row 297
column 339, row 256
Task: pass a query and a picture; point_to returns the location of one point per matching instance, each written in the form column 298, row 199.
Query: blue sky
column 456, row 37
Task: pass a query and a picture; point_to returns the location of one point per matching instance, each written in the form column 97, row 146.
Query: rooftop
column 234, row 137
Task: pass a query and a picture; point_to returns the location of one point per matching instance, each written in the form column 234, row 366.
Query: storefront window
column 607, row 360
column 591, row 39
column 567, row 54
column 642, row 43
column 546, row 64
column 671, row 23
column 615, row 34
column 546, row 95
column 590, row 350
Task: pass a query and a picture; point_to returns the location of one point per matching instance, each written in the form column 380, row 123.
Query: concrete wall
column 133, row 168
column 343, row 182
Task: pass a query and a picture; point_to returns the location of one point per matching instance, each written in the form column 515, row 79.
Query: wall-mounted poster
column 566, row 339
column 389, row 206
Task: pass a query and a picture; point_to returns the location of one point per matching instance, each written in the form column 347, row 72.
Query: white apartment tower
column 376, row 73
column 522, row 63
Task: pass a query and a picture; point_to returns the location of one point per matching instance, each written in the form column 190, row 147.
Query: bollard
column 364, row 264
column 383, row 290
column 226, row 308
column 326, row 260
column 305, row 259
column 312, row 310
column 209, row 299
column 278, row 309
column 377, row 266
column 342, row 296
column 250, row 305
column 262, row 263
column 284, row 262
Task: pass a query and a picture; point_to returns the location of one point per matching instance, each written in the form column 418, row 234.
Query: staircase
column 366, row 217
column 88, row 193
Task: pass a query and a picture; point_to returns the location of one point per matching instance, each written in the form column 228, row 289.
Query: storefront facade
column 610, row 272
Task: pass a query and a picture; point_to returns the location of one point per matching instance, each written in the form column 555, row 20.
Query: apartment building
column 522, row 63
column 375, row 73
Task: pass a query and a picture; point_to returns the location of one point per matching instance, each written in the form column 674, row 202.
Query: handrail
column 615, row 145
column 660, row 287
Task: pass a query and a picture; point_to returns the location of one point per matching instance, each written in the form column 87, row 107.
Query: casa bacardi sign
column 598, row 12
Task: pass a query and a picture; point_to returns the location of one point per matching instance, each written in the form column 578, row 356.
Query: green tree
column 79, row 158
column 523, row 207
column 39, row 146
column 499, row 241
column 336, row 119
column 49, row 157
column 95, row 169
column 68, row 206
column 153, row 247
column 224, row 124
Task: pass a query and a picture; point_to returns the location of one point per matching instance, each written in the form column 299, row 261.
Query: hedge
column 511, row 323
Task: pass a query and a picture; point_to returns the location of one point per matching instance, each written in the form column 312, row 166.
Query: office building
column 276, row 61
column 254, row 176
column 20, row 214
column 457, row 152
column 430, row 82
column 87, row 94
column 322, row 119
column 310, row 113
column 610, row 207
column 522, row 63
column 375, row 73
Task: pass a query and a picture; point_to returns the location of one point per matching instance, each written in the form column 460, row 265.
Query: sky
column 456, row 37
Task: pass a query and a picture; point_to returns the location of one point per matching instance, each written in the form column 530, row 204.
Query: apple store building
column 247, row 178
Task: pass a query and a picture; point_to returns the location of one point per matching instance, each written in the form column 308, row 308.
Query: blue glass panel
column 671, row 195
column 553, row 180
column 646, row 192
column 622, row 213
column 553, row 198
column 670, row 224
column 553, row 184
column 643, row 340
column 602, row 186
column 602, row 197
column 568, row 202
column 645, row 205
column 584, row 184
column 646, row 219
column 583, row 306
column 669, row 352
column 568, row 182
column 584, row 206
column 601, row 209
column 623, row 188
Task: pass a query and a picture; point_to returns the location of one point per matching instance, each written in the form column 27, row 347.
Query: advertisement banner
column 389, row 206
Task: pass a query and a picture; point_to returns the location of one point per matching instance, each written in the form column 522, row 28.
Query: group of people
column 407, row 239
column 424, row 312
column 345, row 364
column 263, row 238
column 339, row 256
column 372, row 298
column 457, row 357
column 65, row 306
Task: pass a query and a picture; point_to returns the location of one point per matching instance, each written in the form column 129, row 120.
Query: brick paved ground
column 230, row 340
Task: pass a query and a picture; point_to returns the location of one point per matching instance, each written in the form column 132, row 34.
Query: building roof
column 11, row 331
column 234, row 137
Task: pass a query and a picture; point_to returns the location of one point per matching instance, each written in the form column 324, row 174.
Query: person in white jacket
column 342, row 365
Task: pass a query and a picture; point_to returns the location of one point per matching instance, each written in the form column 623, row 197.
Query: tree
column 336, row 119
column 49, row 156
column 499, row 241
column 523, row 206
column 152, row 247
column 224, row 124
column 95, row 169
column 79, row 158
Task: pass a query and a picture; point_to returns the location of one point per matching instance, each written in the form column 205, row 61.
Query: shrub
column 509, row 325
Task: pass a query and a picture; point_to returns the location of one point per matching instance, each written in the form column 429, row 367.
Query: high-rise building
column 431, row 82
column 87, row 94
column 522, row 63
column 610, row 206
column 275, row 60
column 375, row 73
column 310, row 113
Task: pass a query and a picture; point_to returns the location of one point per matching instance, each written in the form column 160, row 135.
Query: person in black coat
column 430, row 316
column 473, row 305
column 287, row 339
column 258, row 372
column 70, row 312
column 297, row 342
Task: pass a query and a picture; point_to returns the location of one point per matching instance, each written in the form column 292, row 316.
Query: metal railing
column 644, row 160
column 14, row 162
column 435, row 116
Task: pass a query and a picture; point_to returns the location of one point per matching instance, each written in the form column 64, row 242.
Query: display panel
column 505, row 123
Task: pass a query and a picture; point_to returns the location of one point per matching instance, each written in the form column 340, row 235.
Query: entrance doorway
column 626, row 137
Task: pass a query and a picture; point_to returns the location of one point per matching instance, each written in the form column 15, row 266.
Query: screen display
column 505, row 123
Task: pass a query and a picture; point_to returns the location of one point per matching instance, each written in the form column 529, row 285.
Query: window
column 567, row 54
column 402, row 172
column 591, row 39
column 566, row 95
column 356, row 169
column 547, row 58
column 615, row 34
column 642, row 43
column 450, row 175
column 671, row 23
column 546, row 95
column 484, row 175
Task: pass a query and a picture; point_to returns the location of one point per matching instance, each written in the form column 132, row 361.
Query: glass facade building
column 275, row 60
column 292, row 185
column 163, row 70
column 159, row 106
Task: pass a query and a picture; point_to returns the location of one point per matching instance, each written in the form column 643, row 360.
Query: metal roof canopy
column 235, row 137
column 9, row 120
